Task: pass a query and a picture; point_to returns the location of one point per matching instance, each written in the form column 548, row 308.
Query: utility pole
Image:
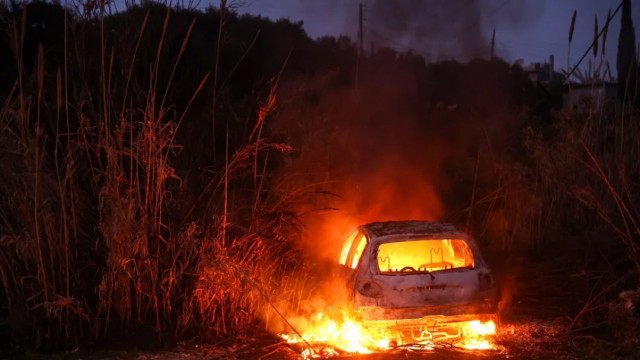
column 360, row 42
column 493, row 42
column 360, row 33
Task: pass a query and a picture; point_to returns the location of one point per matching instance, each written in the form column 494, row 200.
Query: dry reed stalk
column 264, row 110
column 220, row 293
column 36, row 170
column 175, row 66
column 595, row 37
column 44, row 261
column 606, row 31
column 99, row 207
column 155, row 281
column 571, row 28
column 214, row 99
column 624, row 207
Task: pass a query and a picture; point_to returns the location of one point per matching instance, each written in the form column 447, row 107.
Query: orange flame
column 477, row 335
column 350, row 336
column 330, row 337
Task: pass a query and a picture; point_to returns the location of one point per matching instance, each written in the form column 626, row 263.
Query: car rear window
column 424, row 255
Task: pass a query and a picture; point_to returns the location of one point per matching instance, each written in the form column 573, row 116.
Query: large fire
column 327, row 337
column 409, row 269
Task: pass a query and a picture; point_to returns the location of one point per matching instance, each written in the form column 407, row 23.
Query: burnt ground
column 528, row 330
column 518, row 338
column 550, row 316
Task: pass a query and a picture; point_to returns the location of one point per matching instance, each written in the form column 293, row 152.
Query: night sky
column 458, row 29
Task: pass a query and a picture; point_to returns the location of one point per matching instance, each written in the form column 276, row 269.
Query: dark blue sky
column 525, row 29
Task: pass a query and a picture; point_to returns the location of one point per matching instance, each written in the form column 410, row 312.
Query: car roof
column 412, row 227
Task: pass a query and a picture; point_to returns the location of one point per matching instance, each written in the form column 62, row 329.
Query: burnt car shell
column 437, row 290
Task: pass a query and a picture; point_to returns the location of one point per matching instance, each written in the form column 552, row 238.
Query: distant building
column 580, row 96
column 543, row 72
column 589, row 96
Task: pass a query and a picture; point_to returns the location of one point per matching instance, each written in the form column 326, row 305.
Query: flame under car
column 417, row 278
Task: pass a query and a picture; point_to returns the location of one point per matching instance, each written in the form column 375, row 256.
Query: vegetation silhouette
column 131, row 180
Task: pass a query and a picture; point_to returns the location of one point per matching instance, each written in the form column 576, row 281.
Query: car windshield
column 424, row 255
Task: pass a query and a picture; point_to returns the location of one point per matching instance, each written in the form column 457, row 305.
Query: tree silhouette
column 627, row 64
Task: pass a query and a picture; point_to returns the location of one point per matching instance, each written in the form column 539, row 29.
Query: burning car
column 418, row 280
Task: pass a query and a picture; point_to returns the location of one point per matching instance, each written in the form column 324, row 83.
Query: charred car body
column 417, row 275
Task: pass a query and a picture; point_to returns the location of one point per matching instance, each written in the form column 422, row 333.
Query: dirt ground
column 531, row 327
column 522, row 339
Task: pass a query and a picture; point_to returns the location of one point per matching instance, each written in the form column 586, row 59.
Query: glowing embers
column 329, row 337
column 467, row 335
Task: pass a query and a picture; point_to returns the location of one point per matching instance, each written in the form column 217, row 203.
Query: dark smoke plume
column 439, row 30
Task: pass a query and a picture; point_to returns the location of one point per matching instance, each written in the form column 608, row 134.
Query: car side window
column 357, row 249
column 346, row 249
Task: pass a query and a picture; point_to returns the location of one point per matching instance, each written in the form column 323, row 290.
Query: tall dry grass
column 92, row 243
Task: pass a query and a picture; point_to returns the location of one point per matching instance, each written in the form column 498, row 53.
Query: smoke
column 379, row 152
column 367, row 159
column 362, row 156
column 447, row 29
column 388, row 149
column 439, row 30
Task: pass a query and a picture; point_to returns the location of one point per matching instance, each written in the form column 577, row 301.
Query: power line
column 595, row 41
